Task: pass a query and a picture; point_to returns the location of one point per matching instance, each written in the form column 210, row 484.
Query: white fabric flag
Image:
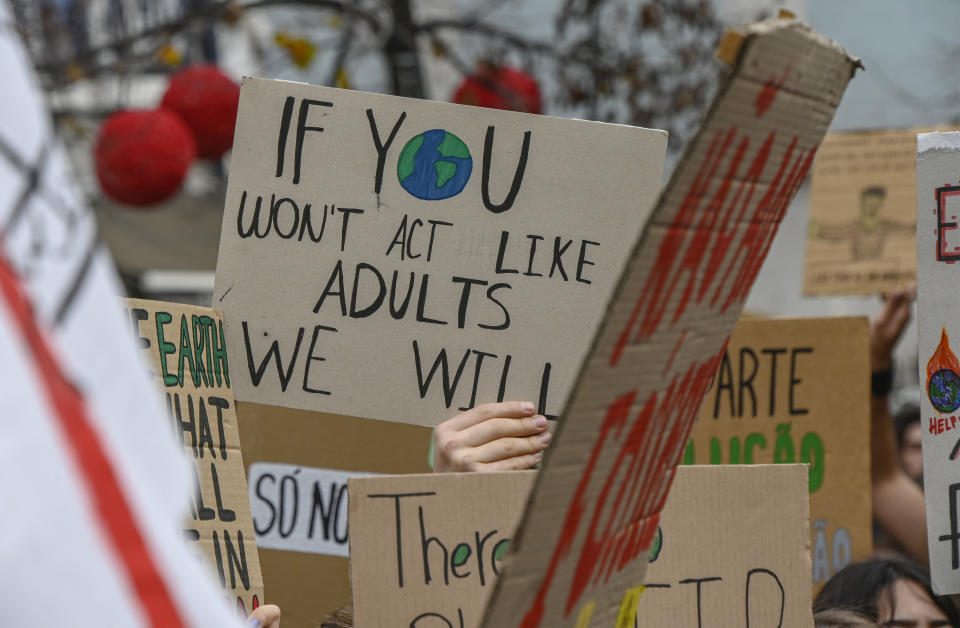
column 93, row 486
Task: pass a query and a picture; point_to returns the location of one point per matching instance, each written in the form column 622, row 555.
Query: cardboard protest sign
column 594, row 511
column 862, row 234
column 297, row 466
column 94, row 485
column 798, row 391
column 732, row 550
column 938, row 249
column 185, row 349
column 438, row 254
column 426, row 549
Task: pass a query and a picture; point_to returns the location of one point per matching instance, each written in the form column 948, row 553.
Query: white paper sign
column 300, row 509
column 938, row 274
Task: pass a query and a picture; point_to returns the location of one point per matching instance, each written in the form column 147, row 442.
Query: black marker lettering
column 302, row 129
column 381, row 147
column 517, row 175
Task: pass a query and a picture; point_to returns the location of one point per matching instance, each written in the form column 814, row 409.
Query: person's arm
column 506, row 436
column 832, row 233
column 898, row 503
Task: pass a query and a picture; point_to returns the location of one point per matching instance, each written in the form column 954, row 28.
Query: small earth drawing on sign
column 656, row 545
column 944, row 390
column 434, row 165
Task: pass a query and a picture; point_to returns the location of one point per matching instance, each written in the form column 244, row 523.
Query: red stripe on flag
column 103, row 488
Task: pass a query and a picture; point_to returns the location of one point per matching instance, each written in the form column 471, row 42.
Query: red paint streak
column 645, row 466
column 763, row 227
column 656, row 283
column 768, row 93
column 711, row 230
column 103, row 489
column 615, row 419
column 748, row 247
column 705, row 232
column 727, row 231
column 676, row 349
column 941, row 227
column 593, row 546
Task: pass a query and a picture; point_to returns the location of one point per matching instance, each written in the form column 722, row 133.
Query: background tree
column 647, row 64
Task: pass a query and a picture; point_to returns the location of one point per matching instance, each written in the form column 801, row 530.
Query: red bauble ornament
column 142, row 157
column 207, row 101
column 500, row 87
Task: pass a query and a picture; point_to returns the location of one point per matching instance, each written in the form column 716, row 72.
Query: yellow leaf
column 168, row 55
column 342, row 81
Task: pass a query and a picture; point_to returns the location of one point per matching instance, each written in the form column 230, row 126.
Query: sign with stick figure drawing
column 862, row 230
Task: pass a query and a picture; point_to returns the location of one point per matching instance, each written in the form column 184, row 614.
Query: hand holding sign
column 267, row 616
column 491, row 437
column 888, row 324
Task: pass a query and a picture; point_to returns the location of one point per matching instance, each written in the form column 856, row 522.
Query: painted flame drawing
column 943, row 377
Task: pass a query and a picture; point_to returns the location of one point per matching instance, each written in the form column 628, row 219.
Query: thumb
column 267, row 616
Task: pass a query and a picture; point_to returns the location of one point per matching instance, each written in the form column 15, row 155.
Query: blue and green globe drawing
column 434, row 165
column 656, row 545
column 944, row 390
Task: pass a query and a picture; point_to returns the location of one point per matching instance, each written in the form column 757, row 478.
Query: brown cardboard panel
column 184, row 348
column 938, row 250
column 594, row 511
column 464, row 520
column 862, row 234
column 361, row 274
column 722, row 527
column 742, row 533
column 308, row 586
column 797, row 390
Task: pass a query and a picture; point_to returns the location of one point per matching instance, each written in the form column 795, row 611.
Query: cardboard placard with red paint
column 185, row 351
column 938, row 271
column 426, row 549
column 594, row 511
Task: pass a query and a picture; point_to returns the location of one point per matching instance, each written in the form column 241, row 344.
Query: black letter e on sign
column 302, row 129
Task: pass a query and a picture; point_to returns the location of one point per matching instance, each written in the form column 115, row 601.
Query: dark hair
column 906, row 416
column 858, row 587
column 874, row 190
column 340, row 618
column 836, row 618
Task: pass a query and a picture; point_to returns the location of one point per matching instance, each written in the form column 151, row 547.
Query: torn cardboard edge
column 656, row 221
column 949, row 140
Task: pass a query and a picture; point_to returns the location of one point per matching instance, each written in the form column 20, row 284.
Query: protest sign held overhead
column 95, row 485
column 186, row 353
column 441, row 255
column 938, row 250
column 608, row 470
column 427, row 549
column 862, row 232
column 797, row 391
